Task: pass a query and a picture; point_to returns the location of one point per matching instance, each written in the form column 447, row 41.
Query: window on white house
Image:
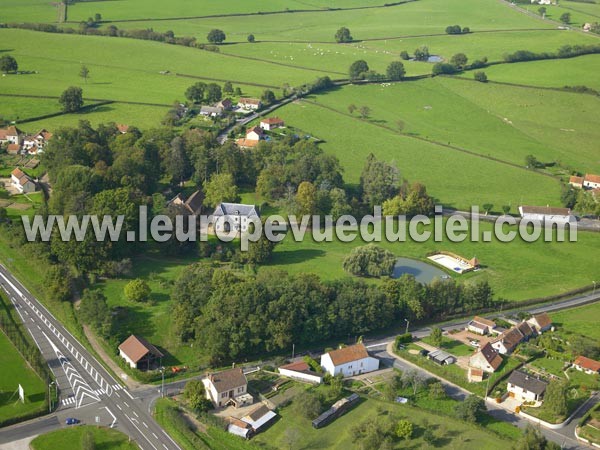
column 224, row 395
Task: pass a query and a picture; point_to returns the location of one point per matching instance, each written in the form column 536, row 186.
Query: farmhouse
column 479, row 325
column 10, row 135
column 37, row 142
column 139, row 353
column 211, row 111
column 587, row 365
column 508, row 341
column 255, row 134
column 486, row 359
column 229, row 386
column 349, row 361
column 300, row 370
column 591, row 181
column 249, row 103
column 540, row 322
column 576, row 182
column 271, row 123
column 441, row 357
column 525, row 387
column 236, row 216
column 546, row 214
column 22, row 182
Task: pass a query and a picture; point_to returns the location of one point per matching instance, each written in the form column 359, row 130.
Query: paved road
column 87, row 391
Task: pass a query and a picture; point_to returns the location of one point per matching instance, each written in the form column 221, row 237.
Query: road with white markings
column 87, row 391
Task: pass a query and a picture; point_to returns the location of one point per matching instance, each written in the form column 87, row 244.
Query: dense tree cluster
column 410, row 201
column 456, row 29
column 8, row 64
column 343, row 35
column 229, row 316
column 370, row 261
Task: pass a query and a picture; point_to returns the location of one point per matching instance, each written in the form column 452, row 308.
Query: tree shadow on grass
column 296, row 256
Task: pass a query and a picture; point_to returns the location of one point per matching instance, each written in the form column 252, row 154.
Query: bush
column 480, row 76
column 370, row 261
column 405, row 338
column 404, row 55
column 443, row 69
column 453, row 29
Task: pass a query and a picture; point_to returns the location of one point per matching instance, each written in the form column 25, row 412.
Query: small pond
column 423, row 272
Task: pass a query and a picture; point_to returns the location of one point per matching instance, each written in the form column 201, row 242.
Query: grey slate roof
column 236, row 209
column 527, row 382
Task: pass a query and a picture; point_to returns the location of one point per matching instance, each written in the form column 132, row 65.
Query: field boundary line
column 433, row 142
column 260, row 13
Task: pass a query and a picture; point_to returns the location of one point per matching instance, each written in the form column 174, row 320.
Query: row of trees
column 359, row 70
column 230, row 317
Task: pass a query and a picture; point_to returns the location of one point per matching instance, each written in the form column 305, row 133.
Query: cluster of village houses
column 17, row 142
column 244, row 105
column 257, row 133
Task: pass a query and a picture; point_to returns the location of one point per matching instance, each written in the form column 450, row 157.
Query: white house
column 271, row 123
column 227, row 386
column 211, row 111
column 349, row 361
column 22, row 182
column 547, row 214
column 479, row 325
column 139, row 353
column 524, row 387
column 37, row 142
column 587, row 365
column 591, row 181
column 506, row 343
column 486, row 359
column 11, row 135
column 299, row 370
column 254, row 134
column 234, row 216
column 576, row 182
column 249, row 103
column 540, row 322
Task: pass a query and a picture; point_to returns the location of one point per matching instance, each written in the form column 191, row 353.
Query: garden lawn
column 450, row 433
column 515, row 270
column 153, row 319
column 452, row 346
column 14, row 371
column 582, row 321
column 70, row 439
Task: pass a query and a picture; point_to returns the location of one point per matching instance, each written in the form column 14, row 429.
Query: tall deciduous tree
column 306, row 198
column 555, row 398
column 395, row 71
column 195, row 93
column 215, row 36
column 436, row 336
column 84, row 73
column 343, row 35
column 379, row 181
column 8, row 64
column 137, row 291
column 71, row 99
column 220, row 188
column 358, row 69
column 370, row 261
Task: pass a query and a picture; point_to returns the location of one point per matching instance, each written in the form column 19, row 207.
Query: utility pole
column 162, row 386
column 293, row 350
column 407, row 323
column 594, row 291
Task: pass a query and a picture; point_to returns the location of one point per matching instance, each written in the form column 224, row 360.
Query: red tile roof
column 246, row 143
column 576, row 180
column 543, row 320
column 587, row 363
column 249, row 101
column 592, row 178
column 484, row 321
column 491, row 355
column 348, row 354
column 298, row 366
column 272, row 121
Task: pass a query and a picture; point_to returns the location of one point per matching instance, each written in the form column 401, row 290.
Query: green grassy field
column 450, row 433
column 70, row 439
column 453, row 346
column 487, row 119
column 583, row 320
column 513, row 269
column 456, row 178
column 15, row 371
column 581, row 13
column 558, row 73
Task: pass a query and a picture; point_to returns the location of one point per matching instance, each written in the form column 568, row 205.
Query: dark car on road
column 72, row 421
